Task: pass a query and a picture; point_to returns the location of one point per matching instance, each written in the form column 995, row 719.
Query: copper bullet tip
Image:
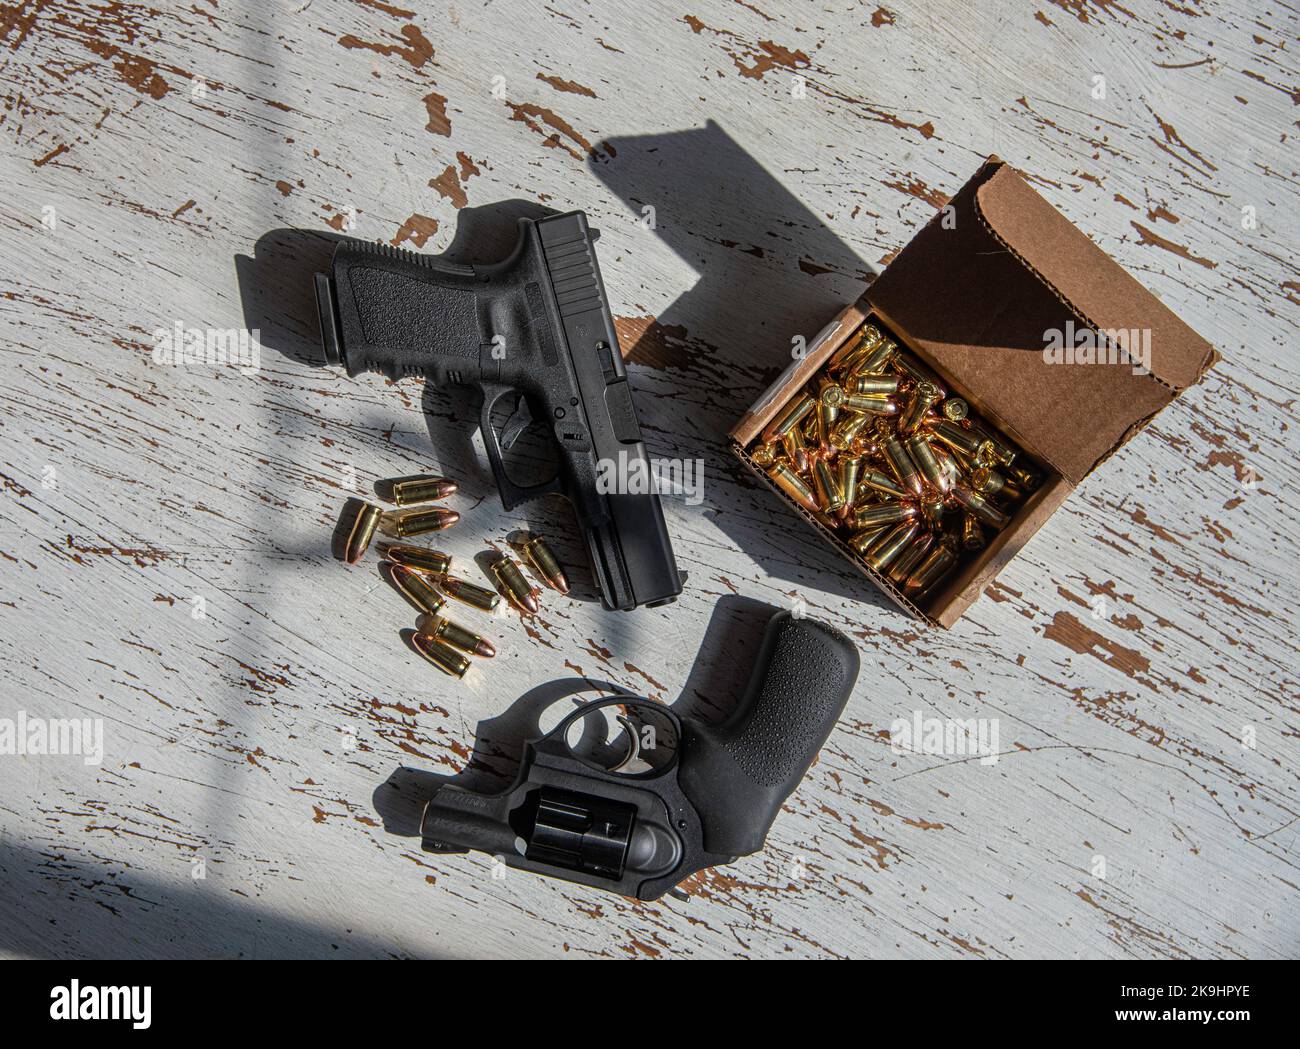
column 485, row 648
column 530, row 602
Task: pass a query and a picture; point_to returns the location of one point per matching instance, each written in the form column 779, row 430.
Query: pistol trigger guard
column 520, row 419
column 512, row 494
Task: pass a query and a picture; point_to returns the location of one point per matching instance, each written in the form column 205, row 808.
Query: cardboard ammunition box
column 974, row 296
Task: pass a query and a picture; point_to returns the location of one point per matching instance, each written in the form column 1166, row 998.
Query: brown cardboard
column 977, row 297
column 972, row 302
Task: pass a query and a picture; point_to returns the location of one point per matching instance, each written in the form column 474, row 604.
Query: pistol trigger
column 520, row 419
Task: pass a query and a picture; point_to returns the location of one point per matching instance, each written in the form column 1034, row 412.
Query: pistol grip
column 739, row 773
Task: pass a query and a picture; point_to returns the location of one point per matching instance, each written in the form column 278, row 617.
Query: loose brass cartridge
column 441, row 655
column 972, row 535
column 790, row 418
column 1003, row 453
column 435, row 562
column 469, row 593
column 422, row 489
column 924, row 395
column 889, row 546
column 901, row 463
column 415, row 588
column 987, row 480
column 851, row 353
column 546, row 563
column 954, row 409
column 979, row 506
column 797, row 450
column 961, row 440
column 763, row 455
column 918, row 448
column 1024, row 477
column 918, row 372
column 882, row 514
column 457, row 636
column 402, row 524
column 913, row 554
column 514, row 584
column 850, row 468
column 873, row 385
column 847, row 429
column 827, row 487
column 363, row 528
column 877, row 360
column 936, row 565
column 793, row 485
column 872, row 404
column 886, row 486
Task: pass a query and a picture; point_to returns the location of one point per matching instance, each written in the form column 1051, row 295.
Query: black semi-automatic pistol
column 536, row 324
column 641, row 809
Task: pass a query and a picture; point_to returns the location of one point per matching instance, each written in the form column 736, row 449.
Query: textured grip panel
column 738, row 774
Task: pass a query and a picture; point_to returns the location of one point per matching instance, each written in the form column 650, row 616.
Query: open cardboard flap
column 979, row 290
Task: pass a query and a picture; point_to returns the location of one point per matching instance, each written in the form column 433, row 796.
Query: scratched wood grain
column 166, row 530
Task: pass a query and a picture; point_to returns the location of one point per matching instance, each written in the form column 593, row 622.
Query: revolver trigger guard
column 512, row 494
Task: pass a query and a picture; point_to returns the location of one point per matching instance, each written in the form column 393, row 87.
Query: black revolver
column 676, row 795
column 535, row 324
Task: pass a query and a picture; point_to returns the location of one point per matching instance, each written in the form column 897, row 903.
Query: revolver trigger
column 520, row 419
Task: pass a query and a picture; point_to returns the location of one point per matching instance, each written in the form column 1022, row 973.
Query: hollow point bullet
column 402, row 524
column 468, row 593
column 457, row 636
column 548, row 566
column 365, row 522
column 435, row 562
column 422, row 489
column 415, row 588
column 440, row 654
column 514, row 584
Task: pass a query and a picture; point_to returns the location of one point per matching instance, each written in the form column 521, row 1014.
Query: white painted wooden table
column 166, row 562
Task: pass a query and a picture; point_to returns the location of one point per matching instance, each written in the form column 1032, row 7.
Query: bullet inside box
column 1045, row 336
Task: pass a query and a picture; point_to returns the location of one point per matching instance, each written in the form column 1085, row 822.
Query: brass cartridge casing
column 850, row 468
column 852, row 352
column 796, row 450
column 918, row 447
column 901, row 463
column 987, row 480
column 875, row 481
column 890, row 545
column 469, row 593
column 1003, row 453
column 441, row 655
column 832, row 395
column 457, row 636
column 401, row 524
column 435, row 562
column 1024, row 477
column 872, row 404
column 873, row 385
column 422, row 489
column 789, row 418
column 363, row 528
column 847, row 429
column 954, row 409
column 793, row 485
column 924, row 395
column 918, row 372
column 972, row 535
column 936, row 565
column 947, row 464
column 415, row 587
column 934, row 509
column 979, row 506
column 880, row 357
column 548, row 566
column 882, row 514
column 862, row 541
column 958, row 438
column 826, row 416
column 913, row 554
column 515, row 585
column 827, row 487
column 763, row 455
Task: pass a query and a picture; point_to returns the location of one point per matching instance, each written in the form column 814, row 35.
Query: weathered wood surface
column 1125, row 654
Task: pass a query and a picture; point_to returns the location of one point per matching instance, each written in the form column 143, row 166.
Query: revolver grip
column 738, row 774
column 389, row 310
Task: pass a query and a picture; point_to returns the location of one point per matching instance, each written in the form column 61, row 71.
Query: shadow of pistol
column 666, row 795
